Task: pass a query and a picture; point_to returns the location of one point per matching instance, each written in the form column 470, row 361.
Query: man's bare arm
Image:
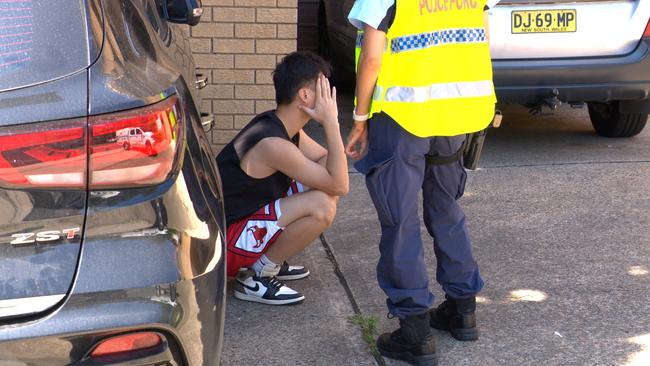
column 323, row 161
column 282, row 155
column 312, row 149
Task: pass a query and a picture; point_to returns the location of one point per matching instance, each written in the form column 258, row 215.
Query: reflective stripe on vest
column 421, row 94
column 439, row 38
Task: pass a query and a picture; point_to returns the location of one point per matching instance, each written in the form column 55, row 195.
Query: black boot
column 457, row 317
column 413, row 342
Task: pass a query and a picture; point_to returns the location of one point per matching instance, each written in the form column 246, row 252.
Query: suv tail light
column 50, row 154
column 134, row 148
column 127, row 149
column 647, row 30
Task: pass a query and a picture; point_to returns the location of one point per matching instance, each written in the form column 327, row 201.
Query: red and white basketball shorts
column 252, row 236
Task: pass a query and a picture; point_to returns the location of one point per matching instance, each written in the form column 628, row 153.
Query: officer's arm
column 486, row 20
column 372, row 50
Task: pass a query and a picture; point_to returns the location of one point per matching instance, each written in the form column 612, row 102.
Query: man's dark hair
column 296, row 71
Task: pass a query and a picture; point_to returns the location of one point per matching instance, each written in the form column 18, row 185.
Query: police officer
column 424, row 80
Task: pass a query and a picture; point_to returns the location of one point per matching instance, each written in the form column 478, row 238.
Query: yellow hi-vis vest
column 436, row 73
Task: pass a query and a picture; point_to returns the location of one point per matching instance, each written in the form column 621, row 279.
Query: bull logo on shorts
column 259, row 234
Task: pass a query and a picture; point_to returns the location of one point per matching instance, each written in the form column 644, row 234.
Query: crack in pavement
column 346, row 286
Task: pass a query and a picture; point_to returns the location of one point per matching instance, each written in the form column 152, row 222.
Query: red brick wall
column 237, row 45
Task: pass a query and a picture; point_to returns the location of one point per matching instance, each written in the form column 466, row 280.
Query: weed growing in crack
column 368, row 326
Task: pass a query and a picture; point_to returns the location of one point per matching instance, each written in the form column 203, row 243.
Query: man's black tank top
column 243, row 194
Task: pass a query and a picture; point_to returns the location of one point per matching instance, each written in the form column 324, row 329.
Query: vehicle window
column 36, row 46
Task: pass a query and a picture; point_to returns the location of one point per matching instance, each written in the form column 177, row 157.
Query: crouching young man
column 280, row 186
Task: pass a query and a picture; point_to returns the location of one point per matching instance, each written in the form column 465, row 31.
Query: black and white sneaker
column 265, row 290
column 290, row 273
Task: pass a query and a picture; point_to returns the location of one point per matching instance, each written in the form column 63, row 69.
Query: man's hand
column 284, row 156
column 325, row 110
column 372, row 51
column 358, row 135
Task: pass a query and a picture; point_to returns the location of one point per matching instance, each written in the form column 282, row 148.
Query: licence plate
column 544, row 21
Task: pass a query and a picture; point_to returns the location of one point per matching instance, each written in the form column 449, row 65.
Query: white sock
column 264, row 267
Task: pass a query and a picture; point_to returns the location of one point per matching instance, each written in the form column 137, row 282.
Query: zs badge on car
column 43, row 236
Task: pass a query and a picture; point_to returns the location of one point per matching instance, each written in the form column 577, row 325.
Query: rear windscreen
column 41, row 40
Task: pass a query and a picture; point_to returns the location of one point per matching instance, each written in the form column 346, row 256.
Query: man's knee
column 324, row 208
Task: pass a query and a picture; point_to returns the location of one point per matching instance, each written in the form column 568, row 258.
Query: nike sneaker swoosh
column 257, row 290
column 254, row 289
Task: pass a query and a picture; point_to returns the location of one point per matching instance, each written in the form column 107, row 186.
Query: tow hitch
column 551, row 102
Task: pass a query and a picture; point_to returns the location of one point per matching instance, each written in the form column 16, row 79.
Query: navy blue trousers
column 396, row 171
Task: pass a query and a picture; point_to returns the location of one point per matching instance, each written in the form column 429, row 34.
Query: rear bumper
column 134, row 276
column 176, row 311
column 577, row 80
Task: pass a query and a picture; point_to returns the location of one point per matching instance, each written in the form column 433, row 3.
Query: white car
column 549, row 51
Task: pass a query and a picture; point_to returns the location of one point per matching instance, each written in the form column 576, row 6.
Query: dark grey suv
column 111, row 219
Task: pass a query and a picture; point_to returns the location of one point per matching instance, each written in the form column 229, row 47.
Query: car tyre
column 608, row 121
column 126, row 146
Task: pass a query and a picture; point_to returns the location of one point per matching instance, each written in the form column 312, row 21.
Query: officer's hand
column 325, row 109
column 358, row 135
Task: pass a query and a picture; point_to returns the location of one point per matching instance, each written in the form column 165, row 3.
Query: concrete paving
column 316, row 332
column 559, row 223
